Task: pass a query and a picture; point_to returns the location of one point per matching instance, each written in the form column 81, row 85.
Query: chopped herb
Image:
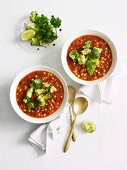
column 56, row 22
column 88, row 56
column 40, row 92
column 30, row 105
column 45, row 29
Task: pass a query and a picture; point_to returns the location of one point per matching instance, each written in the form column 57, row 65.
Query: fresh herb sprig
column 41, row 30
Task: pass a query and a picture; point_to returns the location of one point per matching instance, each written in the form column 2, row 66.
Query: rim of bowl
column 15, row 106
column 64, row 55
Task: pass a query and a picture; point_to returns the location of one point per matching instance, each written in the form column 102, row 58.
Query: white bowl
column 14, row 85
column 65, row 64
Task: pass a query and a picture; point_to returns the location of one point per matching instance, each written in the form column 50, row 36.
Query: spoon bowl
column 80, row 105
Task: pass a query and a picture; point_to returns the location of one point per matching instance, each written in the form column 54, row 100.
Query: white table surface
column 106, row 149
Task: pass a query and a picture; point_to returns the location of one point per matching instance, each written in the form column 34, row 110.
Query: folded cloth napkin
column 103, row 92
column 100, row 92
column 39, row 138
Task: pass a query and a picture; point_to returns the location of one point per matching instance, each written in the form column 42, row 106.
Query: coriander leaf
column 41, row 21
column 49, row 39
column 88, row 44
column 49, row 89
column 33, row 16
column 40, row 34
column 37, row 104
column 56, row 22
column 30, row 105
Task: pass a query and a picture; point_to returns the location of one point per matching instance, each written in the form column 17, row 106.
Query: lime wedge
column 28, row 35
column 35, row 41
column 88, row 126
column 31, row 26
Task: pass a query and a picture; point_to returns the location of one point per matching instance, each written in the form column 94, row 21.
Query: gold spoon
column 72, row 93
column 79, row 106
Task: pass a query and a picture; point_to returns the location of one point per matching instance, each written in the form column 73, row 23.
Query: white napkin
column 39, row 137
column 103, row 92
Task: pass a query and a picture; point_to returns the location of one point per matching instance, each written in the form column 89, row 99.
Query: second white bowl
column 64, row 57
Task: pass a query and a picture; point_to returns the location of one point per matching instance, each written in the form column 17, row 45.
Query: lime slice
column 35, row 41
column 88, row 126
column 28, row 35
column 41, row 42
column 31, row 26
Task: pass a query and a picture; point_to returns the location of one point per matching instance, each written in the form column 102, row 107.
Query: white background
column 106, row 149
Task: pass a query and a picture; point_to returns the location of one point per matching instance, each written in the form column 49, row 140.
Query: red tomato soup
column 105, row 60
column 51, row 105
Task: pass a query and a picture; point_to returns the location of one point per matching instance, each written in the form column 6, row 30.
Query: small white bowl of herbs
column 40, row 31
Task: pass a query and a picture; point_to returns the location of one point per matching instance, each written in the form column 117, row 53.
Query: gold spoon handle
column 68, row 141
column 71, row 121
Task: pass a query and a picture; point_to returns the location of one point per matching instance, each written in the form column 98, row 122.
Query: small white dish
column 64, row 56
column 47, row 48
column 15, row 106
